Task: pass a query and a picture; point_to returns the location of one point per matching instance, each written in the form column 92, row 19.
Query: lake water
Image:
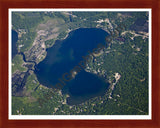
column 14, row 40
column 67, row 54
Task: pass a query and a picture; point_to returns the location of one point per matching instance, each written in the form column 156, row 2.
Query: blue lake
column 14, row 40
column 64, row 56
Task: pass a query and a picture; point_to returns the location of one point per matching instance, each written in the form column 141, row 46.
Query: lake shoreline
column 67, row 57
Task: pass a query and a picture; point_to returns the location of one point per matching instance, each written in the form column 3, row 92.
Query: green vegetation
column 26, row 40
column 49, row 43
column 29, row 103
column 132, row 65
column 27, row 22
column 62, row 35
column 17, row 64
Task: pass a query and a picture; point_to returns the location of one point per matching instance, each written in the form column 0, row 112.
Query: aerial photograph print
column 79, row 62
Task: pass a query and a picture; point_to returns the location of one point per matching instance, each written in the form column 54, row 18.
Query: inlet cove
column 65, row 65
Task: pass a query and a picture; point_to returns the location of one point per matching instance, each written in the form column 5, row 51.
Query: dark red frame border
column 6, row 4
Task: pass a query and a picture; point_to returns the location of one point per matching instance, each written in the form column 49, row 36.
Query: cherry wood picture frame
column 4, row 40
